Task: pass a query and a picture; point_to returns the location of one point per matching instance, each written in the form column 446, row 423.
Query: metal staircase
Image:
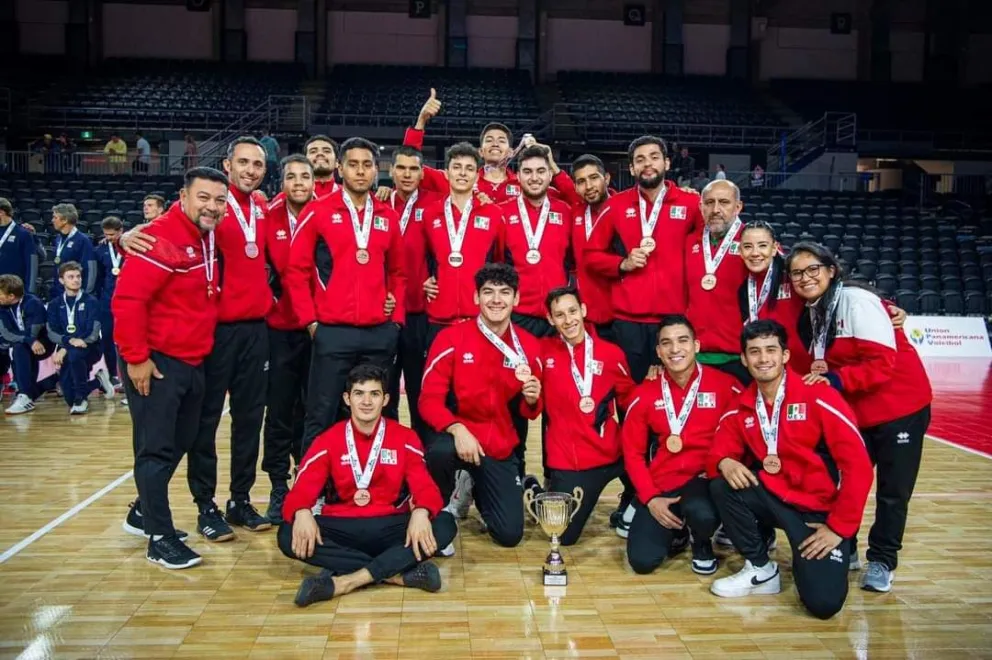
column 834, row 131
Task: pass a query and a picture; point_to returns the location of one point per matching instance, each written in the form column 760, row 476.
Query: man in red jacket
column 166, row 306
column 289, row 341
column 321, row 152
column 477, row 373
column 462, row 234
column 715, row 273
column 381, row 519
column 347, row 283
column 409, row 202
column 585, row 379
column 538, row 240
column 813, row 479
column 667, row 434
column 638, row 243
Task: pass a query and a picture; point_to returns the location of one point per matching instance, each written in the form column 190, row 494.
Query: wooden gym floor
column 83, row 589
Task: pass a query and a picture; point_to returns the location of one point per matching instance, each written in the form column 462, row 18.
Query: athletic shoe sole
column 704, row 569
column 215, row 539
column 175, row 567
column 773, row 586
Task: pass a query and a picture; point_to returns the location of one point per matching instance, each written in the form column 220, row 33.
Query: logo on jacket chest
column 511, row 190
column 418, row 215
column 336, row 219
column 380, row 224
column 795, row 412
column 677, row 213
column 386, row 457
column 480, row 222
column 554, row 218
column 706, row 400
column 468, row 358
column 281, row 235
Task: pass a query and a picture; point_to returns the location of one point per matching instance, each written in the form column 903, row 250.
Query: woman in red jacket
column 856, row 350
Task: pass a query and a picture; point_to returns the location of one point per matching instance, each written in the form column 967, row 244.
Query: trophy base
column 555, row 579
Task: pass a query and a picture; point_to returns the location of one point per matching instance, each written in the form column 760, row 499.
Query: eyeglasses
column 811, row 271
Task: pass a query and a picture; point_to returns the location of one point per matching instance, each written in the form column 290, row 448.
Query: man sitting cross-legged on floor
column 382, row 517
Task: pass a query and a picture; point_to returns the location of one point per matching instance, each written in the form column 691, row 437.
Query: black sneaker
column 315, row 589
column 170, row 552
column 425, row 576
column 213, row 527
column 135, row 524
column 704, row 561
column 243, row 514
column 276, row 498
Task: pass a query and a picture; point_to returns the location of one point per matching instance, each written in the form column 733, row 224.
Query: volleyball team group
column 651, row 335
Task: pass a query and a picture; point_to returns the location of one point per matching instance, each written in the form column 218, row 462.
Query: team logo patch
column 512, row 190
column 69, row 244
column 190, row 252
column 388, row 457
column 677, row 213
column 514, row 219
column 659, row 404
column 82, row 306
column 551, row 363
column 554, row 218
column 418, row 215
column 380, row 223
column 578, row 220
column 796, row 412
column 468, row 358
column 695, row 248
column 749, row 422
column 631, row 213
column 706, row 400
column 12, row 238
column 336, row 219
column 481, row 222
column 345, row 460
column 785, row 292
column 281, row 234
column 437, row 223
column 597, row 367
column 735, row 247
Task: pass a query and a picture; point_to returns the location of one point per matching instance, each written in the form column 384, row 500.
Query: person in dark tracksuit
column 239, row 361
column 109, row 259
column 22, row 329
column 74, row 327
column 289, row 341
column 381, row 520
column 17, row 248
column 354, row 307
column 72, row 245
column 166, row 304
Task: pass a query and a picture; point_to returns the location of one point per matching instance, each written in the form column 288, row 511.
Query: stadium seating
column 634, row 103
column 929, row 261
column 393, row 95
column 151, row 94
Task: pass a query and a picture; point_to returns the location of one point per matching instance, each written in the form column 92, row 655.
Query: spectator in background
column 721, row 172
column 699, row 181
column 191, row 155
column 758, row 177
column 116, row 151
column 144, row 159
column 684, row 165
column 152, row 207
column 17, row 248
column 271, row 146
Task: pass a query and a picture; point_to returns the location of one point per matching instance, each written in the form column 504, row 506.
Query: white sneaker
column 123, row 402
column 106, row 384
column 80, row 408
column 448, row 550
column 623, row 529
column 461, row 496
column 749, row 581
column 21, row 404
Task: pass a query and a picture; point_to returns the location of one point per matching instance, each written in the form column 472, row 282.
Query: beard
column 323, row 171
column 651, row 182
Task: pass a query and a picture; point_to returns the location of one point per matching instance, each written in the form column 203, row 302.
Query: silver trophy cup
column 553, row 512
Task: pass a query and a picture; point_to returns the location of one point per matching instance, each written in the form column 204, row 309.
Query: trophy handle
column 577, row 495
column 529, row 504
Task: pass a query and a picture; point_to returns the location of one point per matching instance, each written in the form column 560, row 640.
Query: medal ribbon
column 364, row 477
column 756, row 300
column 518, row 357
column 407, row 210
column 456, row 235
column 648, row 223
column 362, row 230
column 769, row 427
column 248, row 227
column 676, row 424
column 819, row 346
column 534, row 236
column 712, row 263
column 63, row 241
column 583, row 381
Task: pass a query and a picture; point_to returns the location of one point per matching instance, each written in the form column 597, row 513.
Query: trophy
column 553, row 511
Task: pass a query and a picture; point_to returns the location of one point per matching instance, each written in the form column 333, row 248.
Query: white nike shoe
column 461, row 496
column 80, row 408
column 623, row 527
column 749, row 581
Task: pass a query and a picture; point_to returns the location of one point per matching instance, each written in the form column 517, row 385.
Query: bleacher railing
column 89, row 163
column 845, row 182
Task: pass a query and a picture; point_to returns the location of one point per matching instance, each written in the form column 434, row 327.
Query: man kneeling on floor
column 382, row 519
column 812, row 481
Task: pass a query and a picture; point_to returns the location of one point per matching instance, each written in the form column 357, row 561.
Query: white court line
column 13, row 550
column 65, row 516
column 976, row 452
